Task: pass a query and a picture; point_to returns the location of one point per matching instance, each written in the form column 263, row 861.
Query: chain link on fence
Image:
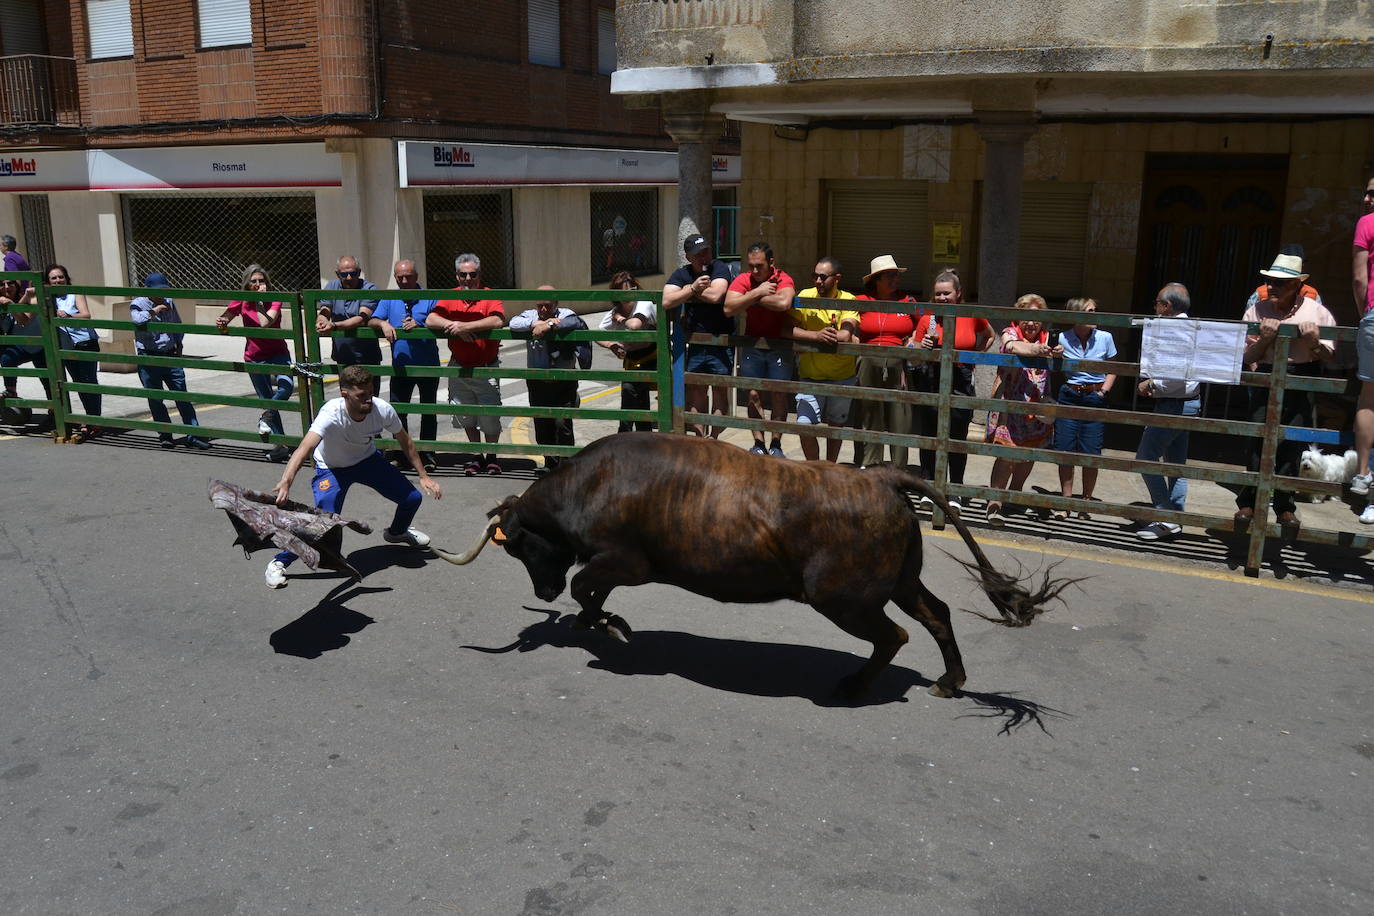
column 206, row 242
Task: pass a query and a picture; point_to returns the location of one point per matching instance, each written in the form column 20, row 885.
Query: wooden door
column 1210, row 223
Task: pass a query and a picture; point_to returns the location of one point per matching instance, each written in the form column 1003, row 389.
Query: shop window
column 205, row 242
column 110, row 29
column 458, row 222
column 545, row 33
column 605, row 42
column 224, row 23
column 624, row 233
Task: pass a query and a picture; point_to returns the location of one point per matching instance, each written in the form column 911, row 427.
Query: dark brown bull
column 720, row 522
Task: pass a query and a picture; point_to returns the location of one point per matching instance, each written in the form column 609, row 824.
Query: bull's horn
column 463, row 559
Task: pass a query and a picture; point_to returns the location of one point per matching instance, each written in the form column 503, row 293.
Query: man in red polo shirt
column 462, row 321
column 765, row 294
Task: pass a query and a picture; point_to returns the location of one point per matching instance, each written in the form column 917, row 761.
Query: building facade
column 193, row 137
column 1066, row 148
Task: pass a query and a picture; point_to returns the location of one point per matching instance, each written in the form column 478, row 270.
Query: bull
column 715, row 520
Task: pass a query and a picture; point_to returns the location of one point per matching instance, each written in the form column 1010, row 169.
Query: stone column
column 1004, row 153
column 696, row 131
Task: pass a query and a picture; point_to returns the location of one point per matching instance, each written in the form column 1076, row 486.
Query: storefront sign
column 300, row 165
column 425, row 164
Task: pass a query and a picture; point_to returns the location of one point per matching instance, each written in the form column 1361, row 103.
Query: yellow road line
column 1130, row 562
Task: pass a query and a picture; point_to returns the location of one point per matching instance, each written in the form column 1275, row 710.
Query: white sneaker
column 264, row 428
column 1367, row 516
column 276, row 574
column 955, row 507
column 1159, row 531
column 412, row 536
column 1360, row 483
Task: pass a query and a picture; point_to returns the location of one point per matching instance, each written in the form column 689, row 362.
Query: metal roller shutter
column 545, row 33
column 21, row 28
column 110, row 29
column 224, row 23
column 869, row 218
column 1054, row 239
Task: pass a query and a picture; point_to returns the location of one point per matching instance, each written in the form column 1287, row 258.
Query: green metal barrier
column 1265, row 480
column 47, row 343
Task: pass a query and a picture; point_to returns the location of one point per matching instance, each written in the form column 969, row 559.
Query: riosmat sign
column 300, row 165
column 425, row 164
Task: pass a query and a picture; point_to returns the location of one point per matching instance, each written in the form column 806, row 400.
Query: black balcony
column 39, row 90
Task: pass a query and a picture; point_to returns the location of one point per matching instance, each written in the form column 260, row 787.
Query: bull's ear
column 503, row 507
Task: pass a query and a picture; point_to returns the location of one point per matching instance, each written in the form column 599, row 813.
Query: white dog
column 1328, row 468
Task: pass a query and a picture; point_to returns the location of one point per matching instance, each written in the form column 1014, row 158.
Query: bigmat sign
column 427, row 164
column 300, row 165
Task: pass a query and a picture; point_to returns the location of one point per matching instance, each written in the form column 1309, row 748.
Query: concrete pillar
column 696, row 131
column 1004, row 153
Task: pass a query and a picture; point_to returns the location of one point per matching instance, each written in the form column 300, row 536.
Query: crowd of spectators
column 765, row 303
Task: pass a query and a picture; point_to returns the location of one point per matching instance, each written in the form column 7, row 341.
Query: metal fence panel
column 458, row 222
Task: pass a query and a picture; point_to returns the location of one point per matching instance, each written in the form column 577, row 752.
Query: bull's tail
column 1014, row 601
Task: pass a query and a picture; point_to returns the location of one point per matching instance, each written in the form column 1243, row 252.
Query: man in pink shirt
column 1363, row 285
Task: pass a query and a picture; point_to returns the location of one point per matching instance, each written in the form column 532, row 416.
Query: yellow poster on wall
column 945, row 239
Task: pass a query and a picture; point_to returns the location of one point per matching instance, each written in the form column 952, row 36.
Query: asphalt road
column 177, row 739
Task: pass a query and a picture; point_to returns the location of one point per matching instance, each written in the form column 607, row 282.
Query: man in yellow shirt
column 828, row 323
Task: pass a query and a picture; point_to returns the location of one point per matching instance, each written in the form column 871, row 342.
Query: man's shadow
column 756, row 668
column 327, row 625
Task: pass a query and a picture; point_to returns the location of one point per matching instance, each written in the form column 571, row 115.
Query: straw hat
column 881, row 263
column 1286, row 267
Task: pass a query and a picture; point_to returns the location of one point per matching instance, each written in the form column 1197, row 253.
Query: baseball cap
column 693, row 244
column 157, row 281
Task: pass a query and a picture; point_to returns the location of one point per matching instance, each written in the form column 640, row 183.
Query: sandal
column 472, row 469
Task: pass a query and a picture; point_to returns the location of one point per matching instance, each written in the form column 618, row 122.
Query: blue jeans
column 1074, row 435
column 1170, row 446
column 330, row 486
column 275, row 387
column 174, row 379
column 84, row 372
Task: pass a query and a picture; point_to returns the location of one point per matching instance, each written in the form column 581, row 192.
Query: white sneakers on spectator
column 955, row 507
column 276, row 574
column 1159, row 531
column 1367, row 516
column 412, row 536
column 1360, row 483
column 264, row 428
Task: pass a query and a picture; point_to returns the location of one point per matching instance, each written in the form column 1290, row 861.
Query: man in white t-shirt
column 343, row 441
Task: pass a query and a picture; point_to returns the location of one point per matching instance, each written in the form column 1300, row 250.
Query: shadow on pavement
column 325, row 627
column 756, row 668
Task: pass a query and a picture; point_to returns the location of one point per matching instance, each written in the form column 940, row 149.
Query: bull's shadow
column 760, row 669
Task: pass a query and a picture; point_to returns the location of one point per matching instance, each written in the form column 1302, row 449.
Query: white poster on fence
column 1192, row 349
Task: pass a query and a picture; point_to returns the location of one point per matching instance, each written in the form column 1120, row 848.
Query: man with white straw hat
column 1283, row 304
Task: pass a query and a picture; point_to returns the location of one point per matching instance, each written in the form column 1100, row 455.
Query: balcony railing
column 38, row 89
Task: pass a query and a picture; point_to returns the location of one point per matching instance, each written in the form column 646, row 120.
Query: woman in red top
column 885, row 329
column 970, row 333
column 276, row 387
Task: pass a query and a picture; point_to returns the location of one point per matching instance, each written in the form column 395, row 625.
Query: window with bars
column 224, row 23
column 110, row 28
column 205, row 242
column 624, row 233
column 459, row 222
column 545, row 33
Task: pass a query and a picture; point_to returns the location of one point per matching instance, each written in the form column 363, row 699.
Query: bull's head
column 546, row 560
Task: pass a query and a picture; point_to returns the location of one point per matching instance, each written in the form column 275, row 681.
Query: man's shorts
column 776, row 365
column 710, row 360
column 1364, row 348
column 825, row 408
column 476, row 391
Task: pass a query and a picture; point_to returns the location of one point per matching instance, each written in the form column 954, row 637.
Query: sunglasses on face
column 349, row 273
column 822, row 277
column 1369, row 192
column 468, row 274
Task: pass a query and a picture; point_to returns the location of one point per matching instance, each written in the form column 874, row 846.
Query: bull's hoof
column 944, row 688
column 616, row 627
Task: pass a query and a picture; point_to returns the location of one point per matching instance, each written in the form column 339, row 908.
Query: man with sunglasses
column 829, row 323
column 349, row 314
column 463, row 322
column 1284, row 303
column 410, row 315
